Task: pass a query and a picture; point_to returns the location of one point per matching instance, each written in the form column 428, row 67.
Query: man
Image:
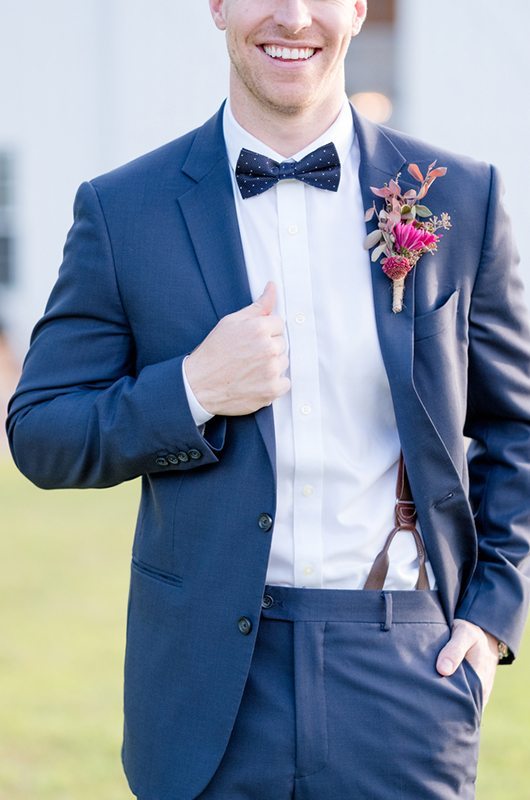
column 268, row 437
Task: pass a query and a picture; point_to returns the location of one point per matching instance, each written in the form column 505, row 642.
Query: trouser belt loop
column 387, row 624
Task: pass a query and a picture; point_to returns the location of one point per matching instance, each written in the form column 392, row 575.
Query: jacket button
column 172, row 458
column 267, row 601
column 161, row 461
column 244, row 625
column 195, row 454
column 265, row 522
column 182, row 456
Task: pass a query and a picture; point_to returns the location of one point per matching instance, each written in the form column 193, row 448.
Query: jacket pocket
column 434, row 322
column 155, row 573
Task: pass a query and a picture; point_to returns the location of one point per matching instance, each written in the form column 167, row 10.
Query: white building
column 87, row 86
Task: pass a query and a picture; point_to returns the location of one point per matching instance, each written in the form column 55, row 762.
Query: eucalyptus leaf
column 423, row 211
column 372, row 239
column 378, row 252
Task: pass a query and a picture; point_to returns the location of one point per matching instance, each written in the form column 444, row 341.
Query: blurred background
column 85, row 87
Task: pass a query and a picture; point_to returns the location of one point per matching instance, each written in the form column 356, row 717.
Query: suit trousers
column 343, row 702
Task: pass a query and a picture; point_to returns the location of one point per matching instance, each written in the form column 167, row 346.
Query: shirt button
column 305, row 409
column 244, row 625
column 300, row 318
column 308, row 490
column 308, row 570
column 265, row 522
column 293, row 229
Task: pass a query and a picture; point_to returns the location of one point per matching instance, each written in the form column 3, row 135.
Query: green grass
column 63, row 599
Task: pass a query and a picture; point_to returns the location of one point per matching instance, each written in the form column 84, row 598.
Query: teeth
column 296, row 54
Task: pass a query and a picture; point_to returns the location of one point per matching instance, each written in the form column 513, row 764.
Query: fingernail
column 446, row 665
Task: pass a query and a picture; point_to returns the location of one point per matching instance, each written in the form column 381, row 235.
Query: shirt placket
column 305, row 389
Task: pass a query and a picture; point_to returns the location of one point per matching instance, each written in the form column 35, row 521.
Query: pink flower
column 396, row 267
column 410, row 237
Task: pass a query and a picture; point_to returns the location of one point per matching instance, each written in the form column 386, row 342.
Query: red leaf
column 439, row 172
column 385, row 192
column 394, row 187
column 415, row 171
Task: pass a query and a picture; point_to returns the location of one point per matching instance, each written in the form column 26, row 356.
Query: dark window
column 7, row 249
column 381, row 11
column 370, row 68
column 6, row 260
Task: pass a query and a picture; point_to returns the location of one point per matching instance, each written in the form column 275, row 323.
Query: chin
column 289, row 104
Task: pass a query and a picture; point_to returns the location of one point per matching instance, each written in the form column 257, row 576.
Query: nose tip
column 293, row 15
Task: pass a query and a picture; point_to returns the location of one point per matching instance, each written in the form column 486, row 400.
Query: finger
column 283, row 363
column 276, row 325
column 279, row 345
column 267, row 301
column 452, row 655
column 263, row 306
column 284, row 385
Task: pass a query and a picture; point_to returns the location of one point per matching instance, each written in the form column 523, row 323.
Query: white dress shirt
column 337, row 445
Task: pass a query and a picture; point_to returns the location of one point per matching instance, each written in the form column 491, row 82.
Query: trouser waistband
column 351, row 605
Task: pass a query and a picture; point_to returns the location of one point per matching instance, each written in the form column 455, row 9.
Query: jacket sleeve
column 498, row 424
column 81, row 416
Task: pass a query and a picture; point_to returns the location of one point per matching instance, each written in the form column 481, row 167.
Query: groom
column 218, row 329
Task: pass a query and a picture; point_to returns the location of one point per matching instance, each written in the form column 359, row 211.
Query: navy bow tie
column 256, row 173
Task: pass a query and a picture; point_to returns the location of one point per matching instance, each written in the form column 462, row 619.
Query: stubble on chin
column 255, row 85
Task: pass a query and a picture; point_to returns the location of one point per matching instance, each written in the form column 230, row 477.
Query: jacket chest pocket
column 438, row 320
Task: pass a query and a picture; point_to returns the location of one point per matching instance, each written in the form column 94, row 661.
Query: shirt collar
column 341, row 133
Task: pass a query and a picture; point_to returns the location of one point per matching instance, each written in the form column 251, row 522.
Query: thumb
column 267, row 300
column 451, row 656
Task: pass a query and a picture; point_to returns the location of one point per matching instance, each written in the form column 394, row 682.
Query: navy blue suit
column 152, row 262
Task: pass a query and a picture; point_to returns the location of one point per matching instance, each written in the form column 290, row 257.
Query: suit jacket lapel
column 420, row 440
column 210, row 215
column 380, row 161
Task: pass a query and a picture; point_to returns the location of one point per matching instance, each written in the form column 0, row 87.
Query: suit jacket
column 153, row 260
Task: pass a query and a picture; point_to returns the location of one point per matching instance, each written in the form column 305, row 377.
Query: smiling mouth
column 289, row 53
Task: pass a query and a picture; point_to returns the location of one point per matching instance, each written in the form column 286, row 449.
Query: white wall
column 467, row 88
column 87, row 86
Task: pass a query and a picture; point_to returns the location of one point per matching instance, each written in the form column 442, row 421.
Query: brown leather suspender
column 405, row 520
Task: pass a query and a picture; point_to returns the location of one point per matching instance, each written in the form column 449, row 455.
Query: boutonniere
column 406, row 228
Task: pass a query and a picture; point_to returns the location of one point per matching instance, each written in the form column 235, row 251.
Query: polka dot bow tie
column 256, row 173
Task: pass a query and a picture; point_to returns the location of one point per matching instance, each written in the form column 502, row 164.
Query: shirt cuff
column 199, row 414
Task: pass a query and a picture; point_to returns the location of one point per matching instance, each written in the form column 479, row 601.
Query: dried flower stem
column 398, row 290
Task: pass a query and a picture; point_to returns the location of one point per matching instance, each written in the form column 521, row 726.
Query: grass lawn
column 63, row 600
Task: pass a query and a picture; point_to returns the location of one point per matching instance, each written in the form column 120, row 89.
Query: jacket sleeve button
column 161, row 461
column 182, row 456
column 172, row 458
column 244, row 625
column 195, row 454
column 265, row 522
